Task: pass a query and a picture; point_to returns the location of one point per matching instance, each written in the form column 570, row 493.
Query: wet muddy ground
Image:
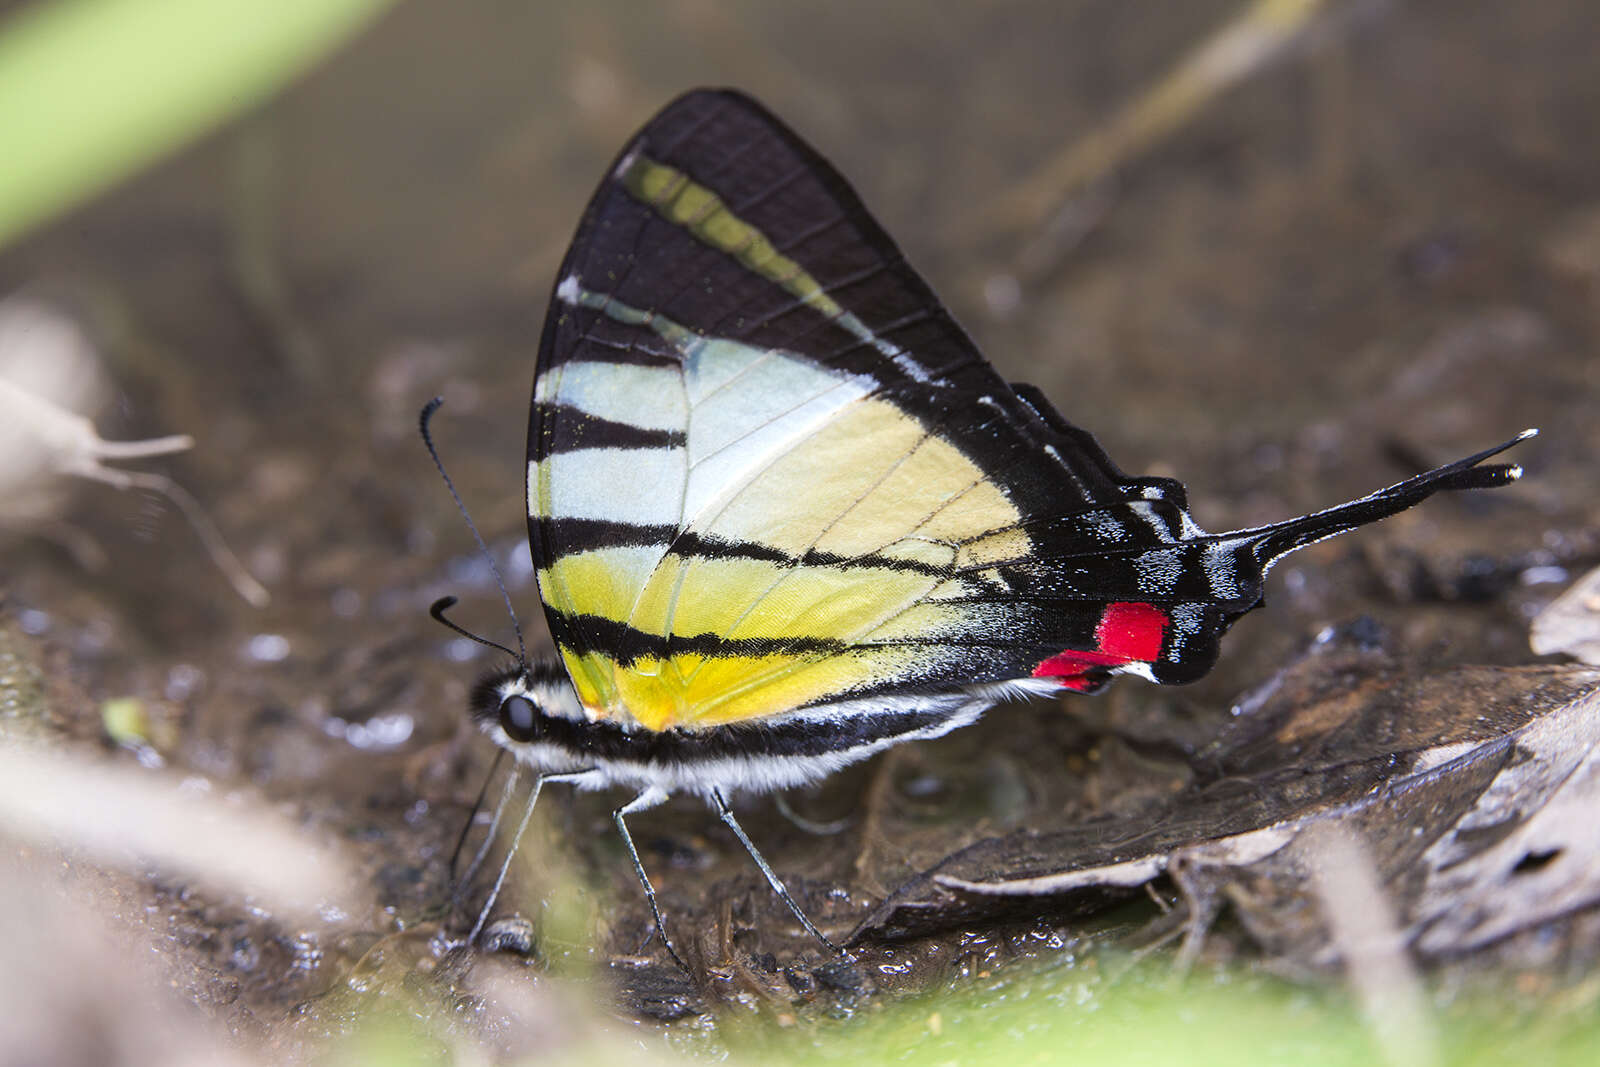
column 1378, row 254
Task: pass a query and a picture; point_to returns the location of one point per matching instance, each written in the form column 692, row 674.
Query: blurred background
column 1285, row 251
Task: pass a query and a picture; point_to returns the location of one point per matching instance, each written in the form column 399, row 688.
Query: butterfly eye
column 519, row 718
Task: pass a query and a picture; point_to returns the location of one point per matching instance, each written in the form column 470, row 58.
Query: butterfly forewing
column 766, row 468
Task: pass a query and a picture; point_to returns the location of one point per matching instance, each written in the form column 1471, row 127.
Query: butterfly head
column 517, row 706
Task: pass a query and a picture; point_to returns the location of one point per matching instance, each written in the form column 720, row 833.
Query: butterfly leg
column 522, row 826
column 725, row 813
column 478, row 857
column 647, row 799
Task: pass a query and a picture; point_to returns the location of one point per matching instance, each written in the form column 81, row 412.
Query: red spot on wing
column 1074, row 661
column 1127, row 632
column 1070, row 669
column 1131, row 631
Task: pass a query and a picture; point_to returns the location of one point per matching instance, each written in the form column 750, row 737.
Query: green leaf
column 93, row 90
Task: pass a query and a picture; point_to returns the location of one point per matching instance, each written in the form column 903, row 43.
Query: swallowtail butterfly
column 784, row 515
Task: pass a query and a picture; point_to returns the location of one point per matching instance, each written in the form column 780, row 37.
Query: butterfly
column 784, row 515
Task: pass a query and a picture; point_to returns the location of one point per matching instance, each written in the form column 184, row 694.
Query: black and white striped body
column 773, row 754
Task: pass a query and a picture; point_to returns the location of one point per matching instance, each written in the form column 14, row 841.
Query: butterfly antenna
column 437, row 611
column 427, row 438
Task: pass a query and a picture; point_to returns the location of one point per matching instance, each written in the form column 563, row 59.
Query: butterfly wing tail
column 1271, row 543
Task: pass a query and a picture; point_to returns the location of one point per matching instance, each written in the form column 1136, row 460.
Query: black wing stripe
column 627, row 645
column 568, row 536
column 572, row 429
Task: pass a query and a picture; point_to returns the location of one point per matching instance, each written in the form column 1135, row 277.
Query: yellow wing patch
column 713, row 691
column 739, row 599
